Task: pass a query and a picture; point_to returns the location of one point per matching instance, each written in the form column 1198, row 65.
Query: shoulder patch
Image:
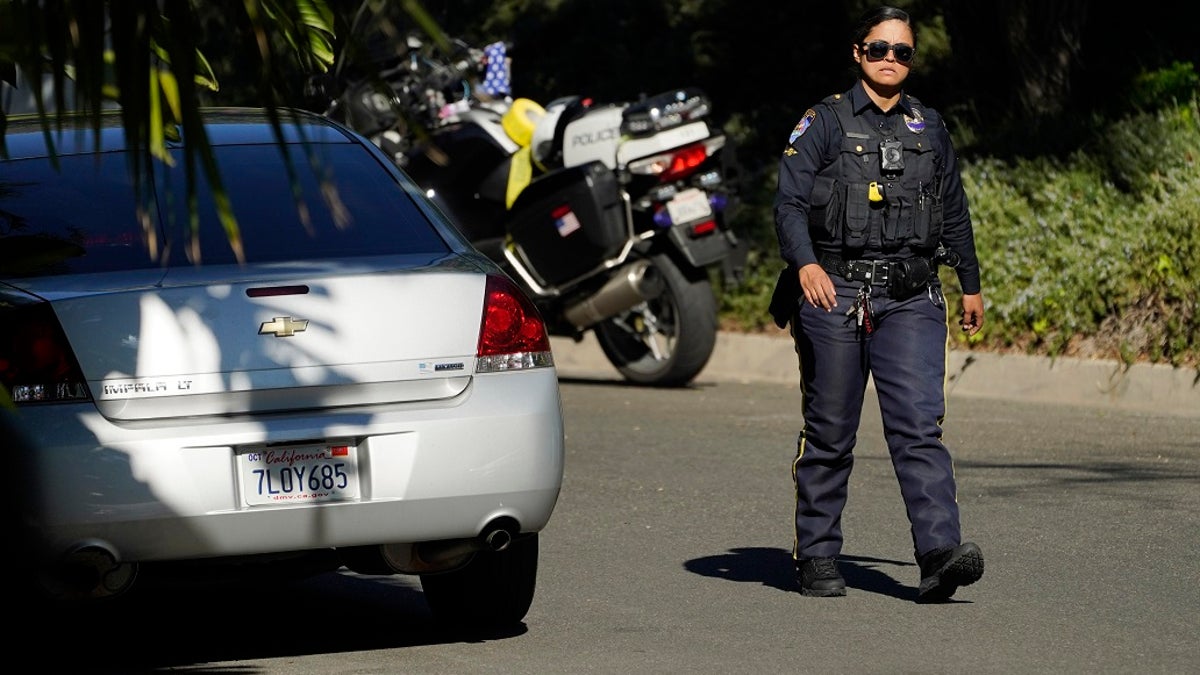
column 803, row 125
column 916, row 123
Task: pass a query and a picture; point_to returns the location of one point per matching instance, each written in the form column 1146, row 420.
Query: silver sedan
column 325, row 366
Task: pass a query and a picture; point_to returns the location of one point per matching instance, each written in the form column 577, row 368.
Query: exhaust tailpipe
column 90, row 570
column 632, row 285
column 496, row 537
column 429, row 556
column 497, row 540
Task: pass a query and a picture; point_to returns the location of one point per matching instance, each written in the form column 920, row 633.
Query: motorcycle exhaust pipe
column 631, row 285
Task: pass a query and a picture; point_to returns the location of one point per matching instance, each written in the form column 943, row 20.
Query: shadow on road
column 167, row 624
column 773, row 567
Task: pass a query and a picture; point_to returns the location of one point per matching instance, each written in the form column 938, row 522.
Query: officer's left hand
column 972, row 313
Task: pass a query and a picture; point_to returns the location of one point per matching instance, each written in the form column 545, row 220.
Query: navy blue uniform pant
column 905, row 355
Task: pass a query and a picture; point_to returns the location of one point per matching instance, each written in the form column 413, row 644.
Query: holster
column 785, row 296
column 908, row 277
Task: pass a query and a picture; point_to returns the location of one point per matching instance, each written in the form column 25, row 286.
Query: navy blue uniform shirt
column 814, row 144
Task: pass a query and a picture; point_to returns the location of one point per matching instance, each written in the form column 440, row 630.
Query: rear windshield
column 82, row 217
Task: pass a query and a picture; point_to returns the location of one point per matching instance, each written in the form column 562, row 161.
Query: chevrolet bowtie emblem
column 283, row 326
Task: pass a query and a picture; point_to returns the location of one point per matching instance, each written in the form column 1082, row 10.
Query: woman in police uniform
column 869, row 202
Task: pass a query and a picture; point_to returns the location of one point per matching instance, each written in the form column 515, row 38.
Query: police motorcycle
column 610, row 215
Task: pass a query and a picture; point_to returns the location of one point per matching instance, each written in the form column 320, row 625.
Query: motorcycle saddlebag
column 567, row 222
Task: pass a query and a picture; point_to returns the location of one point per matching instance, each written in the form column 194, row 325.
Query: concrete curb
column 749, row 358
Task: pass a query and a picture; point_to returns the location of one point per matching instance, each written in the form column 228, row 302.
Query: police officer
column 869, row 202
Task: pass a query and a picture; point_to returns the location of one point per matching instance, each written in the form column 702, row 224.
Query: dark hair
column 877, row 16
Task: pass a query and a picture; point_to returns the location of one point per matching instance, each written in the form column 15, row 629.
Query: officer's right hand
column 818, row 287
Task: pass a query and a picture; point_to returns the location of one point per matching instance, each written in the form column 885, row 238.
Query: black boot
column 819, row 577
column 945, row 569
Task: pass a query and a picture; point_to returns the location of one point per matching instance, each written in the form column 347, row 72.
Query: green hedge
column 1095, row 255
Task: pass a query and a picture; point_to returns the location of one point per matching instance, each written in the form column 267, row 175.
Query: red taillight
column 36, row 363
column 512, row 335
column 684, row 162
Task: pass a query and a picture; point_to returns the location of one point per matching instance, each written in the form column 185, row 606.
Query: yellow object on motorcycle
column 519, row 122
column 520, row 119
column 520, row 173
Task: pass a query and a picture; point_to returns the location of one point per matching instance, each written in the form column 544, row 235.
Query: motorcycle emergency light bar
column 664, row 111
column 677, row 163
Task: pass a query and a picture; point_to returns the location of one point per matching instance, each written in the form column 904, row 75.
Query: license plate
column 299, row 474
column 689, row 205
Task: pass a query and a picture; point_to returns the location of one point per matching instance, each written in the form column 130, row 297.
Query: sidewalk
column 738, row 357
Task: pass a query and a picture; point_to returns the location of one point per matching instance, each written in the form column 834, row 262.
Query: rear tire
column 666, row 341
column 493, row 590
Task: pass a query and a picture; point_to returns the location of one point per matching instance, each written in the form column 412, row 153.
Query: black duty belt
column 875, row 272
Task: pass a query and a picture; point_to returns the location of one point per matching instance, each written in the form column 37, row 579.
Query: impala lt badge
column 283, row 326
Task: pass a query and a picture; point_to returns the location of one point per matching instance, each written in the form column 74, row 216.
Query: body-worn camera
column 891, row 156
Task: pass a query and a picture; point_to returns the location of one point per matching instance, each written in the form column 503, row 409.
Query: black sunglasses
column 877, row 50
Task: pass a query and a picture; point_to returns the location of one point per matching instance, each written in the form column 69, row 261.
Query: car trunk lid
column 275, row 339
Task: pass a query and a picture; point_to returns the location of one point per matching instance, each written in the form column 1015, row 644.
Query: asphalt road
column 669, row 552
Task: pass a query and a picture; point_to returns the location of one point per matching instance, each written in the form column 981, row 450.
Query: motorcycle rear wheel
column 667, row 341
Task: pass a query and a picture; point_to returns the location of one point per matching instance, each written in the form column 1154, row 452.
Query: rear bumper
column 169, row 490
